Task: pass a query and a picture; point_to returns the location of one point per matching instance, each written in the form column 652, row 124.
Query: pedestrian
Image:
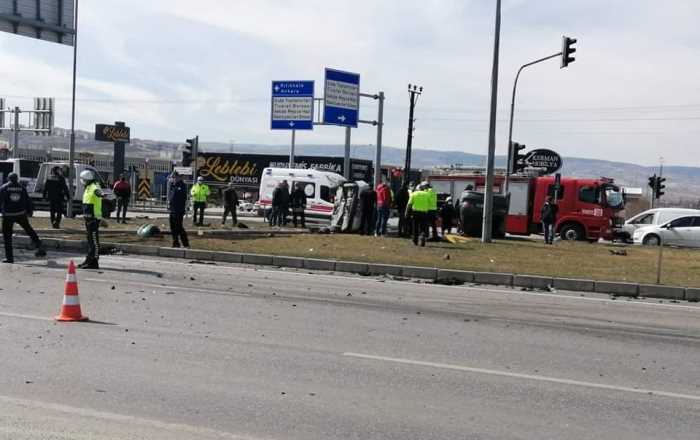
column 16, row 207
column 419, row 207
column 401, row 203
column 368, row 204
column 177, row 206
column 230, row 204
column 297, row 201
column 57, row 194
column 433, row 211
column 384, row 199
column 548, row 214
column 447, row 216
column 276, row 205
column 200, row 193
column 92, row 213
column 122, row 190
column 284, row 203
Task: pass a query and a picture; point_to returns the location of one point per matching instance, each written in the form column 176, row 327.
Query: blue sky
column 174, row 68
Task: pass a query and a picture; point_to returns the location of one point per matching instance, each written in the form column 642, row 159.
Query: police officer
column 177, row 204
column 16, row 206
column 199, row 192
column 419, row 204
column 92, row 213
column 56, row 192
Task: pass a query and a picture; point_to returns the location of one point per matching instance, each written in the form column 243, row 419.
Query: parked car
column 652, row 217
column 682, row 231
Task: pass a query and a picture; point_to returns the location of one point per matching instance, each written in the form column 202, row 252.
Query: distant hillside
column 683, row 183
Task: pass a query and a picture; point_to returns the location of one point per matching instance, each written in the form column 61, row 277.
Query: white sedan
column 683, row 231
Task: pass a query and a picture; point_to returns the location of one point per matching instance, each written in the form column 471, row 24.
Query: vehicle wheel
column 651, row 240
column 572, row 232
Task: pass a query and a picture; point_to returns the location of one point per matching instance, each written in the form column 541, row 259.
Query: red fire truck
column 589, row 209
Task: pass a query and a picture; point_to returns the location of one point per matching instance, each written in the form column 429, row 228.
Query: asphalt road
column 197, row 351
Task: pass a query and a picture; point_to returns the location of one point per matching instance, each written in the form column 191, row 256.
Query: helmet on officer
column 87, row 176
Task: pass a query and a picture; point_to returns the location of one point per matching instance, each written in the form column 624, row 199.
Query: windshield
column 614, row 197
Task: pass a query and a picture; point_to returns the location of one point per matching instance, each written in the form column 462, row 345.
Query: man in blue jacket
column 16, row 206
column 177, row 203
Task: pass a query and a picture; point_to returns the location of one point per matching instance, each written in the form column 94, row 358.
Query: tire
column 572, row 232
column 651, row 240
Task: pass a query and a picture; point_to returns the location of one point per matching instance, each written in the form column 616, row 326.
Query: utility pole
column 487, row 224
column 378, row 151
column 291, row 149
column 71, row 150
column 15, row 149
column 414, row 91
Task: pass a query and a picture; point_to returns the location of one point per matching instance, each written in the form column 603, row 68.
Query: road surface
column 198, row 351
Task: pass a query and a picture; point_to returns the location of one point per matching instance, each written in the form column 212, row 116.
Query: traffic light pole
column 512, row 110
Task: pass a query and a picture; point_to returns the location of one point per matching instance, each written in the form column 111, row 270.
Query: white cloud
column 211, row 63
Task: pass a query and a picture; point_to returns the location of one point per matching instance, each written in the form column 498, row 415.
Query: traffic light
column 517, row 164
column 188, row 152
column 652, row 182
column 659, row 186
column 567, row 51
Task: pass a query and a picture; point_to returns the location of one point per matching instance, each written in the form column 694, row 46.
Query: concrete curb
column 427, row 273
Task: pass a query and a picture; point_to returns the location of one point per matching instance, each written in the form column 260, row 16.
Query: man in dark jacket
column 368, row 204
column 56, row 192
column 122, row 190
column 16, row 206
column 401, row 203
column 230, row 204
column 549, row 218
column 447, row 216
column 298, row 202
column 177, row 204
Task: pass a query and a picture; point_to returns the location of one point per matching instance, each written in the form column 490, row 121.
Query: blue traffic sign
column 341, row 100
column 292, row 105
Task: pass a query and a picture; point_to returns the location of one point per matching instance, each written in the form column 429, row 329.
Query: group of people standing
column 375, row 206
column 283, row 200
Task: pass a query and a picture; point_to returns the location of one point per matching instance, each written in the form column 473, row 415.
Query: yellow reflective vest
column 199, row 192
column 92, row 201
column 420, row 201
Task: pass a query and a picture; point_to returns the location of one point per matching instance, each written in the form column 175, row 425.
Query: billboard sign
column 547, row 160
column 112, row 133
column 49, row 20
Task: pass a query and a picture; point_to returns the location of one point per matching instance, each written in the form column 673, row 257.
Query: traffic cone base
column 70, row 310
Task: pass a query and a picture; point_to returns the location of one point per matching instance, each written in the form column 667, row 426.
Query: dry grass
column 565, row 259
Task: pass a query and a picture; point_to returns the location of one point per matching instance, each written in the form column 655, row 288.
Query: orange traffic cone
column 70, row 310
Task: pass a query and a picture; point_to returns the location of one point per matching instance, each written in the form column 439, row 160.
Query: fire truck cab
column 588, row 208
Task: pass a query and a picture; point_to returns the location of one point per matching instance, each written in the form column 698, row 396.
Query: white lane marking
column 20, row 316
column 524, row 376
column 434, row 286
column 120, row 418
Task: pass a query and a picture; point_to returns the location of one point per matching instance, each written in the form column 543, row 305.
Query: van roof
column 298, row 172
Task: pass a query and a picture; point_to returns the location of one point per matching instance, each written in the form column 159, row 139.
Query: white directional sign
column 292, row 105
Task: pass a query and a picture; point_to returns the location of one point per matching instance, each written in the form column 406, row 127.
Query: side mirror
column 668, row 226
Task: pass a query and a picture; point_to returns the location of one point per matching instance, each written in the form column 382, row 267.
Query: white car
column 682, row 231
column 651, row 217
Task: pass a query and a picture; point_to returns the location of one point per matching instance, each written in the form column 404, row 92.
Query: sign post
column 292, row 109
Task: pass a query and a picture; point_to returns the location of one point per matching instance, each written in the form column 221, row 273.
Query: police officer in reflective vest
column 16, row 206
column 92, row 212
column 419, row 205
